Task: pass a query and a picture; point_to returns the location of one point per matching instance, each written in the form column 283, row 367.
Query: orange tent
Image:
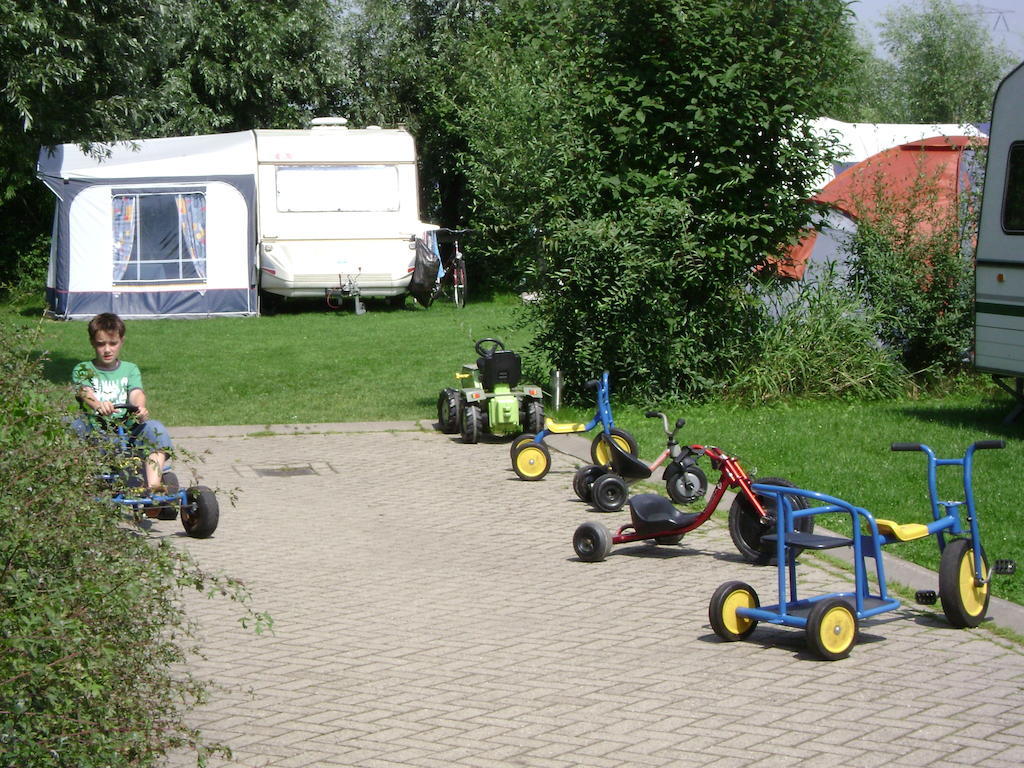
column 895, row 171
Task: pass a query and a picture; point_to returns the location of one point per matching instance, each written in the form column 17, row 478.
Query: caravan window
column 356, row 188
column 1013, row 202
column 159, row 237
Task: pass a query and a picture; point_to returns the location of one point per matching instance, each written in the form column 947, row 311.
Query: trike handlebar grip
column 126, row 406
column 906, row 446
column 983, row 444
column 653, row 414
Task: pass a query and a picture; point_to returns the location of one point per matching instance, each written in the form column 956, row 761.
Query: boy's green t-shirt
column 112, row 386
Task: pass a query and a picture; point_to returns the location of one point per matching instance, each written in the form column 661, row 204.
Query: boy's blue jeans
column 146, row 437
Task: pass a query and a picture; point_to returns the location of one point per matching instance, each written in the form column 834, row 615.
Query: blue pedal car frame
column 831, row 621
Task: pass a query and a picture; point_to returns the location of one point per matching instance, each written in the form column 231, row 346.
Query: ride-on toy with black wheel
column 490, row 398
column 197, row 506
column 832, row 621
column 531, row 459
column 752, row 515
column 606, row 487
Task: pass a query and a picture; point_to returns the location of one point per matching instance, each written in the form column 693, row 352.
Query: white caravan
column 999, row 274
column 338, row 210
column 191, row 226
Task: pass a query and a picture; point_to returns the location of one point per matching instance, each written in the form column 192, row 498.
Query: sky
column 1003, row 18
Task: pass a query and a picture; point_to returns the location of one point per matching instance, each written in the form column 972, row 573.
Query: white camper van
column 192, row 226
column 338, row 210
column 999, row 275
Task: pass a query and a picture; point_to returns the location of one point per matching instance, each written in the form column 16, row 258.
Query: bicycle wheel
column 459, row 283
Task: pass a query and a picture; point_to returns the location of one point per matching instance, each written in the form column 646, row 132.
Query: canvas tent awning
column 153, row 228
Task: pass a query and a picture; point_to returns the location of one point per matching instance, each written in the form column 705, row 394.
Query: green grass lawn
column 318, row 365
column 842, row 449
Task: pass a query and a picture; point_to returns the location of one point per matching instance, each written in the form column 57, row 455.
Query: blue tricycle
column 531, row 458
column 831, row 621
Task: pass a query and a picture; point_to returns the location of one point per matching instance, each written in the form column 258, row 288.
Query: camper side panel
column 999, row 275
column 338, row 209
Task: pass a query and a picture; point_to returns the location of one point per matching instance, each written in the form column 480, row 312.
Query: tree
column 80, row 71
column 401, row 63
column 942, row 67
column 639, row 159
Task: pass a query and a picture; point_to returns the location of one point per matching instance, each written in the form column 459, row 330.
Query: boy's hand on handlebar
column 105, row 408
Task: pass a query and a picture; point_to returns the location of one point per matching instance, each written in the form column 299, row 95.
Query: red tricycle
column 653, row 517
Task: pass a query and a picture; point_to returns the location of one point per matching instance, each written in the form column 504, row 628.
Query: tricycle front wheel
column 200, row 516
column 746, row 527
column 964, row 602
column 602, row 455
column 687, row 485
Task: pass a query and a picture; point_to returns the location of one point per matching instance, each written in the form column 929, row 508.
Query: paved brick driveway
column 430, row 612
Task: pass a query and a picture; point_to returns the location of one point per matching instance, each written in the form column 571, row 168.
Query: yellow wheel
column 532, row 461
column 600, row 452
column 964, row 602
column 832, row 629
column 518, row 442
column 726, row 623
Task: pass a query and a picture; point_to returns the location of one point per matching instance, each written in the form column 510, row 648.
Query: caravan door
column 338, row 211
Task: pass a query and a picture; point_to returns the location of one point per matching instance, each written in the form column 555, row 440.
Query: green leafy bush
column 637, row 161
column 93, row 636
column 910, row 263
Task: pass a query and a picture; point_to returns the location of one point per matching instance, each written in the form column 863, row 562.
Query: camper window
column 159, row 237
column 1013, row 202
column 355, row 188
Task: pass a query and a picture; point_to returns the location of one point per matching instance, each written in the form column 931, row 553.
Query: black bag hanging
column 425, row 268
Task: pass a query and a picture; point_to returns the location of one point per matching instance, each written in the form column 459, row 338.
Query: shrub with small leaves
column 94, row 641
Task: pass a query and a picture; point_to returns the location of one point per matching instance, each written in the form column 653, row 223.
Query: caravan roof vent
column 328, row 122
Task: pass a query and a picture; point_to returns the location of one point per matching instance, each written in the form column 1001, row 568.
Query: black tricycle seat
column 624, row 464
column 654, row 515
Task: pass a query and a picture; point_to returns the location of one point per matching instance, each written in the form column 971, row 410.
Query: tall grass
column 817, row 341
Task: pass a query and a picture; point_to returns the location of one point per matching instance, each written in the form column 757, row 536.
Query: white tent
column 153, row 228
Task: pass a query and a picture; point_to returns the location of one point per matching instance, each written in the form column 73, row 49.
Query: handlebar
column 978, row 446
column 670, row 433
column 445, row 235
column 126, row 407
column 984, row 444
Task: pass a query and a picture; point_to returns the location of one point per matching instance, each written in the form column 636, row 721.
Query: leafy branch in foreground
column 94, row 638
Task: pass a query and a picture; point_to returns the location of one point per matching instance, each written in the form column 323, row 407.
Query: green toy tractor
column 490, row 398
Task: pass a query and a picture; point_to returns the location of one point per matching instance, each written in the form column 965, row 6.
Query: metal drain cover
column 285, row 471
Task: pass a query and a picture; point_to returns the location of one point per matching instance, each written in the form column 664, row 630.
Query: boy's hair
column 107, row 322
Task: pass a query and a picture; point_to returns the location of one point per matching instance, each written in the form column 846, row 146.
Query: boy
column 107, row 380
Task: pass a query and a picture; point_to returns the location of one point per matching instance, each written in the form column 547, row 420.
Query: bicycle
column 451, row 277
